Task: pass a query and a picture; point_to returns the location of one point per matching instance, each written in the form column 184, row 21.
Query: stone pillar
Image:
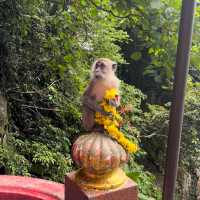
column 128, row 191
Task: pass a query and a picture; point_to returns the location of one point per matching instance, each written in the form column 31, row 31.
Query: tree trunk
column 198, row 184
column 3, row 119
column 3, row 84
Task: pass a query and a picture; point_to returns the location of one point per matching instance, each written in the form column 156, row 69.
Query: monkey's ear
column 114, row 66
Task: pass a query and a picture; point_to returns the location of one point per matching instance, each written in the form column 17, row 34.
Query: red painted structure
column 26, row 188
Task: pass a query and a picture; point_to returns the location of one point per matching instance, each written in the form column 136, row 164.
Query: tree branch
column 151, row 135
column 40, row 108
column 117, row 16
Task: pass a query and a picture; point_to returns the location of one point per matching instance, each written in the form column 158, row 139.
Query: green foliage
column 48, row 48
column 156, row 123
column 130, row 96
column 146, row 182
column 151, row 50
column 131, row 128
column 13, row 163
column 190, row 156
column 155, row 129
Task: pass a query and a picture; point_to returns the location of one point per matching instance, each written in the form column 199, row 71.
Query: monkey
column 102, row 78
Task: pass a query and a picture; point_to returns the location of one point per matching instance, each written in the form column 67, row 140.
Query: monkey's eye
column 114, row 66
column 100, row 64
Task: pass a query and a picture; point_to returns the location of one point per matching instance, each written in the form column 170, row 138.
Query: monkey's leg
column 90, row 107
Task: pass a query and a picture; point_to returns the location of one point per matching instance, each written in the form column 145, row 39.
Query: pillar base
column 110, row 180
column 128, row 191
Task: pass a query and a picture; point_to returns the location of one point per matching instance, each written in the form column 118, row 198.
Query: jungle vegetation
column 46, row 50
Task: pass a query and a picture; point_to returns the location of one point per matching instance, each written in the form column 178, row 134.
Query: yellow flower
column 118, row 117
column 111, row 124
column 110, row 94
column 132, row 148
column 115, row 122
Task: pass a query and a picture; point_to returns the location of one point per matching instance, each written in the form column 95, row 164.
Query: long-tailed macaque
column 102, row 78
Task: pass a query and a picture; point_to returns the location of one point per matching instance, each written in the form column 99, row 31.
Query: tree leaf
column 136, row 56
column 156, row 4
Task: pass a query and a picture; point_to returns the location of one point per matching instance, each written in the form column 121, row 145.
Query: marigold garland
column 111, row 123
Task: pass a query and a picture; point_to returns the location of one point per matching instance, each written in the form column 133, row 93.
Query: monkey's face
column 103, row 68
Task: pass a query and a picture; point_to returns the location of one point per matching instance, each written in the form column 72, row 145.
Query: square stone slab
column 128, row 191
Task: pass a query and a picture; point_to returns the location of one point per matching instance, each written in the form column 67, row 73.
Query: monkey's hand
column 92, row 105
column 115, row 102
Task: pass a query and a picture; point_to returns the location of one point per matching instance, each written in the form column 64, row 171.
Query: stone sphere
column 97, row 153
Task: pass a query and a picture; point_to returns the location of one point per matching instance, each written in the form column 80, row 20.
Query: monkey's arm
column 89, row 108
column 91, row 103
